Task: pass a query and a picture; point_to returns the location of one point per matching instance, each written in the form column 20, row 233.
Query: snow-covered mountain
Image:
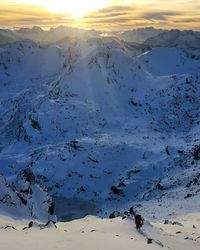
column 139, row 35
column 7, row 36
column 176, row 38
column 101, row 125
column 37, row 34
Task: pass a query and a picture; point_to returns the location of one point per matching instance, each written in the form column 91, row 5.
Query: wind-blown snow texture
column 102, row 123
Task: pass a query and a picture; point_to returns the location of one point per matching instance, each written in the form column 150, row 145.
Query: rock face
column 98, row 120
column 24, row 197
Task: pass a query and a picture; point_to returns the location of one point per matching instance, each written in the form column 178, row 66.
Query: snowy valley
column 95, row 125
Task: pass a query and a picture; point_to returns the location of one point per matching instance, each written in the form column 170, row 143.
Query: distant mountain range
column 148, row 35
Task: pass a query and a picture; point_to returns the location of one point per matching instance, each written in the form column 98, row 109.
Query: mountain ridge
column 102, row 120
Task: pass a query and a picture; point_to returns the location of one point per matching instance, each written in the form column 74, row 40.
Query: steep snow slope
column 100, row 122
column 171, row 61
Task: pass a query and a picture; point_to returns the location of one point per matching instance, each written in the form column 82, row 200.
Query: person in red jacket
column 139, row 220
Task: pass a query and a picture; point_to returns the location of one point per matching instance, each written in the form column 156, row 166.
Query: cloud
column 121, row 15
column 113, row 11
column 23, row 15
column 137, row 15
column 162, row 15
column 187, row 20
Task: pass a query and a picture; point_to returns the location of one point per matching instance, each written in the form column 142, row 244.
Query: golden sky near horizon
column 101, row 14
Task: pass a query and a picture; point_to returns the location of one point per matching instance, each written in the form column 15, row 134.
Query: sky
column 101, row 14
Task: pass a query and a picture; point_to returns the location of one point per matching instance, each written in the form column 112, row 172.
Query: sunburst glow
column 76, row 8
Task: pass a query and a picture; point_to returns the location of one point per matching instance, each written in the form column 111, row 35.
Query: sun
column 77, row 8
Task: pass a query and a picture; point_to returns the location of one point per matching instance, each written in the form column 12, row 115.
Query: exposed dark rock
column 149, row 241
column 113, row 215
column 167, row 150
column 196, row 152
column 35, row 124
column 131, row 211
column 50, row 224
column 51, row 208
column 73, row 146
column 117, row 191
column 188, row 196
column 28, row 175
column 10, row 227
column 23, row 201
column 166, row 222
column 30, row 224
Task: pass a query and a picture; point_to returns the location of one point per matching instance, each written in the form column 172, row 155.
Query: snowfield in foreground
column 92, row 233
